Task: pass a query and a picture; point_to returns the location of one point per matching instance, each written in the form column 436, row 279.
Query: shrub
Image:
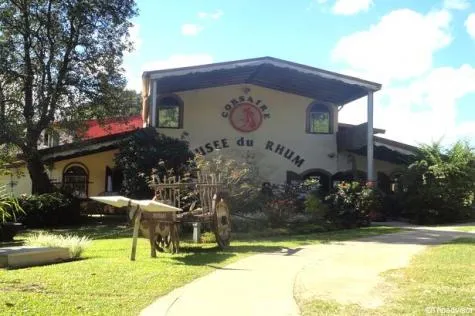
column 351, row 203
column 439, row 187
column 392, row 206
column 50, row 209
column 76, row 245
column 141, row 153
column 286, row 201
column 240, row 178
column 247, row 222
column 315, row 207
column 10, row 208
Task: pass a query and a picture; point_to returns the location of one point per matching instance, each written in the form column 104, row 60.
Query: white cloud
column 351, row 7
column 400, row 46
column 418, row 103
column 215, row 15
column 191, row 29
column 422, row 110
column 470, row 25
column 457, row 4
column 134, row 78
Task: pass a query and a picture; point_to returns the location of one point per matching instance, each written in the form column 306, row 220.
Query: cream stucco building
column 280, row 115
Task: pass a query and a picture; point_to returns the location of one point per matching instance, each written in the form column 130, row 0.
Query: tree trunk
column 40, row 182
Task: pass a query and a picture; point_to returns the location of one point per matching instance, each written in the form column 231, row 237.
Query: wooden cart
column 210, row 207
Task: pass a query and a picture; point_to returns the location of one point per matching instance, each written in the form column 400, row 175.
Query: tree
column 439, row 186
column 146, row 151
column 134, row 101
column 60, row 61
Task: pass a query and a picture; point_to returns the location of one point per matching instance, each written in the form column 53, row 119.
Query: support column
column 370, row 142
column 146, row 99
column 154, row 113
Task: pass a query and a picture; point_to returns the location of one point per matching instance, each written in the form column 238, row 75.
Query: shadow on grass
column 316, row 237
column 210, row 255
column 202, row 259
column 47, row 263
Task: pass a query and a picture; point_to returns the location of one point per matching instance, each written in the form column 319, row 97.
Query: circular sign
column 245, row 117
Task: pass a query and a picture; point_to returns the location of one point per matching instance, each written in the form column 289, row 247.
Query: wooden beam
column 138, row 216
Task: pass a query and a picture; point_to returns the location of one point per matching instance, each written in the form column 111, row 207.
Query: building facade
column 281, row 116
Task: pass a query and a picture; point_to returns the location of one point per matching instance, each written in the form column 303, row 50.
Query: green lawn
column 466, row 228
column 106, row 282
column 440, row 277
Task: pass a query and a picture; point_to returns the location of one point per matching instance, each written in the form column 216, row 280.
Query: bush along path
column 347, row 272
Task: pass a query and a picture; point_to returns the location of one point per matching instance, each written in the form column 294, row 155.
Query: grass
column 465, row 228
column 441, row 277
column 106, row 282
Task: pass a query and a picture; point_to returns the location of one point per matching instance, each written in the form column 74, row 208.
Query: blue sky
column 422, row 51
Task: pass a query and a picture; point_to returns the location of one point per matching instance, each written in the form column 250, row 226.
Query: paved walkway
column 266, row 284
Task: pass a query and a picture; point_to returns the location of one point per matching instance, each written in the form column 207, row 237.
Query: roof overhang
column 402, row 148
column 384, row 153
column 84, row 147
column 268, row 72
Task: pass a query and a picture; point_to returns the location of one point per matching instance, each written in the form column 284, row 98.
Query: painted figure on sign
column 246, row 117
column 249, row 121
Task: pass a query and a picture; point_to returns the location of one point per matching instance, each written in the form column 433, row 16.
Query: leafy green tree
column 145, row 152
column 440, row 185
column 60, row 61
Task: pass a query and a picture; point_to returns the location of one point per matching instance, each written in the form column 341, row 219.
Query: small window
column 75, row 180
column 169, row 112
column 319, row 119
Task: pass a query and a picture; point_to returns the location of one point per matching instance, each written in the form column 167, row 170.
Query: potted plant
column 9, row 210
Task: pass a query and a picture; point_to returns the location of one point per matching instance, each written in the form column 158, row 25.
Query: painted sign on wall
column 245, row 114
column 269, row 145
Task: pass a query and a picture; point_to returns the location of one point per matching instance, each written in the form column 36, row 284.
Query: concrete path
column 267, row 284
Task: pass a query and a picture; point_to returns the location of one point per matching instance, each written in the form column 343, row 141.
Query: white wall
column 204, row 123
column 20, row 179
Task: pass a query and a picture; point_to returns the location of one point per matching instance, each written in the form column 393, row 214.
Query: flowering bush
column 351, row 203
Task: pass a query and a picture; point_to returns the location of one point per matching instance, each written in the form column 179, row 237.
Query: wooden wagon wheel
column 221, row 222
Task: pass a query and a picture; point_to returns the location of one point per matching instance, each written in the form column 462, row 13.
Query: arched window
column 322, row 176
column 169, row 112
column 319, row 119
column 349, row 176
column 76, row 179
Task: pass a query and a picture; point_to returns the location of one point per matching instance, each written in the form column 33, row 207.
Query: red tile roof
column 112, row 126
